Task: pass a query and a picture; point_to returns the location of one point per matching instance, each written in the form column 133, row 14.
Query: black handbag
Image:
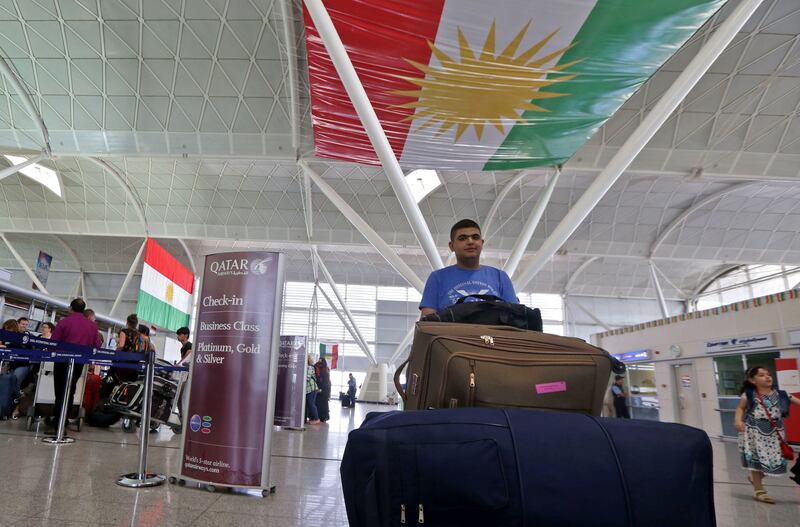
column 492, row 311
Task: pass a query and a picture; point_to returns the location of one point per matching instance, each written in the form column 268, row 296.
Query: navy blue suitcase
column 523, row 468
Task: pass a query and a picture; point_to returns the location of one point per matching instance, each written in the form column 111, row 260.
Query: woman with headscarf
column 323, row 376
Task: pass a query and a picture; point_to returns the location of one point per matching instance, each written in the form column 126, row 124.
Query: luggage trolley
column 127, row 398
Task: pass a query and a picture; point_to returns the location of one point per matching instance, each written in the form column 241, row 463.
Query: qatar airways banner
column 231, row 397
column 290, row 393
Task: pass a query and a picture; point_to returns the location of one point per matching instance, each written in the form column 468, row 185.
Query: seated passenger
column 467, row 277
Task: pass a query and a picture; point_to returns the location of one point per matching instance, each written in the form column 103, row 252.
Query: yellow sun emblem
column 485, row 89
column 170, row 292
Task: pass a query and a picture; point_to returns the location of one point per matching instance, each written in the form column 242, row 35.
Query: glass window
column 730, row 373
column 748, row 282
column 642, row 387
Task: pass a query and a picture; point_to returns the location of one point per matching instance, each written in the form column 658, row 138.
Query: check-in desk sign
column 740, row 343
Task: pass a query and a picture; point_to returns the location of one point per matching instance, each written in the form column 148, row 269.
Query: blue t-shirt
column 445, row 286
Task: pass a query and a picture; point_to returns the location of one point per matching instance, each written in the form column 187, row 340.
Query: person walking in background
column 322, row 373
column 759, row 421
column 620, row 398
column 351, row 390
column 182, row 335
column 311, row 393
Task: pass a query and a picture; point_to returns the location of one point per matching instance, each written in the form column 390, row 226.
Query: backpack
column 492, row 311
column 136, row 342
column 783, row 398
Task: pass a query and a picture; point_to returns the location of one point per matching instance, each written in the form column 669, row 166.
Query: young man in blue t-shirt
column 467, row 277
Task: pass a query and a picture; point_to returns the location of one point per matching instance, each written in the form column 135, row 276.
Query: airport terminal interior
column 280, row 177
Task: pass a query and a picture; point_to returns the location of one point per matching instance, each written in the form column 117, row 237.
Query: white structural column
column 530, row 226
column 508, row 187
column 24, row 266
column 10, row 171
column 358, row 336
column 289, row 41
column 592, row 316
column 681, row 292
column 127, row 279
column 662, row 303
column 578, row 272
column 368, row 232
column 80, row 285
column 683, row 216
column 27, row 102
column 401, row 348
column 640, row 137
column 351, row 328
column 137, row 204
column 358, row 96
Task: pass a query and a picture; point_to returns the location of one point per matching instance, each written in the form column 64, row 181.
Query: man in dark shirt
column 183, row 338
column 620, row 398
column 75, row 329
column 186, row 349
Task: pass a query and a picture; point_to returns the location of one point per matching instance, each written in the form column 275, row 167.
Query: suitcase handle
column 485, row 298
column 397, row 384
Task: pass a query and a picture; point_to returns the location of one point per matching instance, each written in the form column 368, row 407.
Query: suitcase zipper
column 403, row 513
column 471, row 400
column 502, row 343
column 473, row 358
column 421, row 517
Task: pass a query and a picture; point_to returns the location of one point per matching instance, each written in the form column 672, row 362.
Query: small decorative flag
column 332, row 350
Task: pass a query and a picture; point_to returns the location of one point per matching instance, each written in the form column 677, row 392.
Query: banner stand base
column 182, row 481
column 58, row 441
column 135, row 481
column 291, row 428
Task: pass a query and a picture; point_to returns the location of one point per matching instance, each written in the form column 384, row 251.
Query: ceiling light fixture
column 422, row 182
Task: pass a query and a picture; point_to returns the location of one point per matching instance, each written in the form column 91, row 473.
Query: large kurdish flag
column 471, row 84
column 165, row 297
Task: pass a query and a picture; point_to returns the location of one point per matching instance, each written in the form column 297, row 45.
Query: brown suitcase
column 466, row 365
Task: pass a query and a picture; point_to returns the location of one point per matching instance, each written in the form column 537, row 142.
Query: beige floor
column 74, row 485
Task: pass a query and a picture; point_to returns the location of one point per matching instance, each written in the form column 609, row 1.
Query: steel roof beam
column 704, row 59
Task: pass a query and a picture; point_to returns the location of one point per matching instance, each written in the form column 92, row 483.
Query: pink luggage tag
column 551, row 387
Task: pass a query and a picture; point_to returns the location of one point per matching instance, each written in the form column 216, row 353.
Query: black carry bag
column 491, row 311
column 103, row 414
column 524, row 468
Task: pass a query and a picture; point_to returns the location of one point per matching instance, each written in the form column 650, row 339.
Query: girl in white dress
column 759, row 444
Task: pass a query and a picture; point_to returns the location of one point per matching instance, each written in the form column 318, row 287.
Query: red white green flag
column 470, row 84
column 165, row 296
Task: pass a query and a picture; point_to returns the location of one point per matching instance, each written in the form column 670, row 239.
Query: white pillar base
column 378, row 386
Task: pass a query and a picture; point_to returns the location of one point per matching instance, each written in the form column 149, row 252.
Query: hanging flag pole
column 358, row 96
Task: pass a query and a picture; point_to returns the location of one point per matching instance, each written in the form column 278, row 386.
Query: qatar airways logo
column 241, row 266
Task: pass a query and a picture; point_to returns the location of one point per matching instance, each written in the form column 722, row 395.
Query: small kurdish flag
column 165, row 296
column 331, row 350
column 471, row 84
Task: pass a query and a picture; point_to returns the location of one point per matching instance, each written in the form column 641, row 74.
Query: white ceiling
column 190, row 102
